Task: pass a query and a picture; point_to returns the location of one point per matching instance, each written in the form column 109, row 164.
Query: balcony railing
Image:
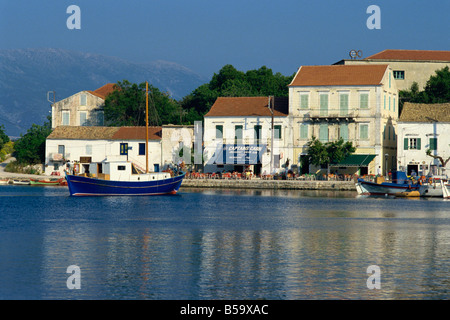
column 338, row 113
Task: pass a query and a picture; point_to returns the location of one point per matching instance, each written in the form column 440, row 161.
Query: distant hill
column 26, row 75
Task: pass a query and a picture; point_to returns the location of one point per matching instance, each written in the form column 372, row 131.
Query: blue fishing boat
column 400, row 183
column 121, row 178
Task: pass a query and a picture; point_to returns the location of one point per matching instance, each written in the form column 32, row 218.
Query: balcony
column 335, row 114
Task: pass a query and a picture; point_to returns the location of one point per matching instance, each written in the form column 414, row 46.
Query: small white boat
column 21, row 182
column 4, row 181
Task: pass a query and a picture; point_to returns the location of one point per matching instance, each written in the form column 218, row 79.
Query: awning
column 239, row 154
column 356, row 160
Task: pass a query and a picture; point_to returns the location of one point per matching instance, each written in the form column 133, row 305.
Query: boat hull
column 84, row 186
column 371, row 188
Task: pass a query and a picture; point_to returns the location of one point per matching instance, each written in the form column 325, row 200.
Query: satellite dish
column 355, row 54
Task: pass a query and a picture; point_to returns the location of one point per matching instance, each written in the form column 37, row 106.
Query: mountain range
column 27, row 75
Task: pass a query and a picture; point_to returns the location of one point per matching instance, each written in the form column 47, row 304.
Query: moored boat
column 45, row 182
column 4, row 181
column 400, row 183
column 433, row 186
column 120, row 178
column 21, row 182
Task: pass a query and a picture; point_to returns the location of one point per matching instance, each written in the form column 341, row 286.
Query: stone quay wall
column 270, row 184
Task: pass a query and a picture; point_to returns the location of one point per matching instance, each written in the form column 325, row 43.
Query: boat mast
column 146, row 126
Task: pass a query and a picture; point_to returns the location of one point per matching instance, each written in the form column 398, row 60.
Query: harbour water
column 205, row 244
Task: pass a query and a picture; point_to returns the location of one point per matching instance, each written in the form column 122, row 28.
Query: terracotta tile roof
column 137, row 133
column 102, row 92
column 422, row 112
column 104, row 133
column 339, row 75
column 83, row 133
column 418, row 55
column 248, row 106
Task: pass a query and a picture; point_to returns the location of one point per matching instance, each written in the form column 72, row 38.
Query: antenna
column 54, row 96
column 355, row 54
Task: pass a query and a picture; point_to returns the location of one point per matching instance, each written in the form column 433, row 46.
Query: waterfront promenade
column 258, row 183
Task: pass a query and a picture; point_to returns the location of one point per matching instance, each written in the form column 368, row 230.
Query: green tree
column 230, row 82
column 126, row 106
column 328, row 153
column 30, row 148
column 3, row 137
column 437, row 90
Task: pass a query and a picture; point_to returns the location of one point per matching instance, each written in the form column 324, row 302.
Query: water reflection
column 225, row 244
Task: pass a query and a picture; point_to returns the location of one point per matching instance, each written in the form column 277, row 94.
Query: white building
column 238, row 135
column 358, row 103
column 82, row 146
column 84, row 108
column 423, row 127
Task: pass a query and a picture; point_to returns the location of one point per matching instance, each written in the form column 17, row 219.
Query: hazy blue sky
column 204, row 35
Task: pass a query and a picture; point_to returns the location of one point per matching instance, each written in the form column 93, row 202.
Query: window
column 343, row 132
column 258, row 129
column 324, row 104
column 323, row 133
column 66, row 118
column 89, row 149
column 433, row 143
column 399, row 74
column 62, row 150
column 219, row 132
column 238, row 134
column 83, row 118
column 412, row 144
column 303, row 131
column 364, row 132
column 304, row 100
column 124, row 149
column 142, row 149
column 389, row 103
column 121, row 168
column 277, row 132
column 343, row 104
column 389, row 80
column 364, row 100
column 83, row 99
column 394, row 104
column 384, row 102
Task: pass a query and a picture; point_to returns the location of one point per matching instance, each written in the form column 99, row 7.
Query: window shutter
column 418, row 143
column 405, row 144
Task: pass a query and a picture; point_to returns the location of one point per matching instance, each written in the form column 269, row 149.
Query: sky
column 205, row 35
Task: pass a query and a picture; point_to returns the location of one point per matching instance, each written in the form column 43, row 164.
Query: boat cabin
column 122, row 171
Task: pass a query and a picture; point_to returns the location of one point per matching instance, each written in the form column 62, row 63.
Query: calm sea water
column 222, row 244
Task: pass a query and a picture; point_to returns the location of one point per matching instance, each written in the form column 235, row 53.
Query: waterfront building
column 423, row 127
column 358, row 103
column 408, row 66
column 79, row 146
column 238, row 135
column 84, row 108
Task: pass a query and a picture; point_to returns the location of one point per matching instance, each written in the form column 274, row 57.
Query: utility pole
column 271, row 138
